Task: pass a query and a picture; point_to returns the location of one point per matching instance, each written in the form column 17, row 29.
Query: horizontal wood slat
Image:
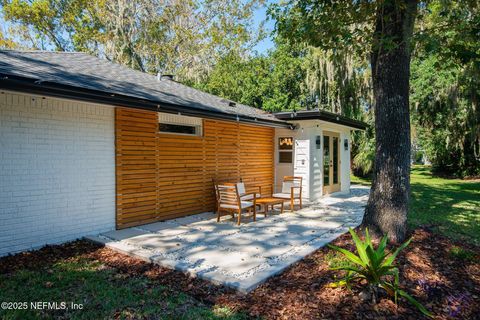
column 162, row 176
column 136, row 165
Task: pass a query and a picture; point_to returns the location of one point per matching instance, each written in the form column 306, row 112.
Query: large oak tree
column 384, row 29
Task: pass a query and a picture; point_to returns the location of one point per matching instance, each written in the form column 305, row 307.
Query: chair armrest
column 292, row 191
column 254, row 194
column 259, row 189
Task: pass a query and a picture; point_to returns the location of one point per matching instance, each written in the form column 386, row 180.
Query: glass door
column 331, row 162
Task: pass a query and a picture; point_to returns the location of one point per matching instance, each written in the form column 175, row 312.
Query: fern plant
column 376, row 266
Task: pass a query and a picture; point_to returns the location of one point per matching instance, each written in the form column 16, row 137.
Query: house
column 88, row 146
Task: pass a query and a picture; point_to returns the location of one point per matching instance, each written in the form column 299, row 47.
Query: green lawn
column 449, row 206
column 104, row 292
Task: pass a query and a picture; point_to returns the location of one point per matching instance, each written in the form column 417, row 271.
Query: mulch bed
column 447, row 285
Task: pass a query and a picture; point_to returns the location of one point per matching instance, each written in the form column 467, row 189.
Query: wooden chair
column 244, row 196
column 217, row 197
column 217, row 182
column 291, row 190
column 229, row 202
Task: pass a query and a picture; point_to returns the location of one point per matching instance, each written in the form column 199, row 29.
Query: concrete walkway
column 242, row 256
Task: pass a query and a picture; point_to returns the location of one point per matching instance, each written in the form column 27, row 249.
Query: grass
column 361, row 181
column 104, row 293
column 449, row 206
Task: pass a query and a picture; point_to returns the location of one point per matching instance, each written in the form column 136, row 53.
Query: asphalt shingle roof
column 89, row 72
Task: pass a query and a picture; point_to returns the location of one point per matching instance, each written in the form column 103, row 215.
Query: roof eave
column 33, row 86
column 322, row 115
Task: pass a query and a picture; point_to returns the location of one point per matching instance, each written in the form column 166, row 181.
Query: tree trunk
column 387, row 207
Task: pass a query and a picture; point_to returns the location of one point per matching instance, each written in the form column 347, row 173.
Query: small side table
column 265, row 202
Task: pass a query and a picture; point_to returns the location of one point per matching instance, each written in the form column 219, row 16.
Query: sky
column 261, row 15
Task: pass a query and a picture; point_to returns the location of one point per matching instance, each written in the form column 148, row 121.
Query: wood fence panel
column 136, row 167
column 162, row 176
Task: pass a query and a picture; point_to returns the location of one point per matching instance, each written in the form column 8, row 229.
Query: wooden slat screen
column 164, row 176
column 136, row 163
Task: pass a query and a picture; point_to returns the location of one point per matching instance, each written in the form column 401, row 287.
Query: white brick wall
column 57, row 170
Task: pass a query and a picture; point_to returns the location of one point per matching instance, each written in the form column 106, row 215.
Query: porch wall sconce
column 345, row 144
column 318, row 142
column 294, row 126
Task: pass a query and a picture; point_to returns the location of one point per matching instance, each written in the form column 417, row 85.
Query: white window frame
column 181, row 120
column 291, row 151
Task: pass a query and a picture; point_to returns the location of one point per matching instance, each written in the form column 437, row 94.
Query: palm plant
column 376, row 267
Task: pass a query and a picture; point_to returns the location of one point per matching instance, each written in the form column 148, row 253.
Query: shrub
column 376, row 267
column 364, row 160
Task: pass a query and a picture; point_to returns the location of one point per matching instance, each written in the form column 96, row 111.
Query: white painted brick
column 57, row 170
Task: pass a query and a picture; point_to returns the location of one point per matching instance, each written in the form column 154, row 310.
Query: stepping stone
column 263, row 235
column 214, row 226
column 266, row 250
column 230, row 262
column 194, row 218
column 174, row 232
column 165, row 228
column 124, row 233
column 201, row 237
column 157, row 226
column 157, row 243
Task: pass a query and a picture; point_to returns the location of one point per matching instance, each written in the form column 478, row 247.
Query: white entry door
column 302, row 164
column 331, row 162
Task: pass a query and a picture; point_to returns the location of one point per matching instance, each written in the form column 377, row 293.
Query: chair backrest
column 289, row 182
column 241, row 188
column 217, row 182
column 215, row 188
column 228, row 195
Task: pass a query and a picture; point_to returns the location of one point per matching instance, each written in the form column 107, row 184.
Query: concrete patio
column 241, row 257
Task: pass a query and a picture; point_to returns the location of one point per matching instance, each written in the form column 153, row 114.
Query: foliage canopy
column 320, row 59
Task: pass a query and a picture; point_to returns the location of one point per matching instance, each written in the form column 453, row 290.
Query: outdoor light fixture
column 294, row 126
column 345, row 144
column 318, row 142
